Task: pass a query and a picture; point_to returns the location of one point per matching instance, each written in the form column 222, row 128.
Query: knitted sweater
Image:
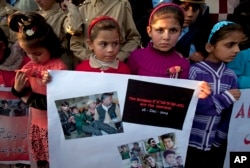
column 151, row 62
column 208, row 111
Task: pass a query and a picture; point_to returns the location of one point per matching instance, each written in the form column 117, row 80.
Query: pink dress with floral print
column 38, row 130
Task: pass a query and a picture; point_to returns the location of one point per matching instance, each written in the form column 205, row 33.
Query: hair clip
column 217, row 27
column 30, row 32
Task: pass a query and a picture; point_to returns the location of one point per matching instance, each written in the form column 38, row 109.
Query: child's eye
column 174, row 30
column 103, row 44
column 115, row 44
column 160, row 30
column 230, row 45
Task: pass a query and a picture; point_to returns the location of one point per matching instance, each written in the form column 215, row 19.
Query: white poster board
column 239, row 128
column 158, row 100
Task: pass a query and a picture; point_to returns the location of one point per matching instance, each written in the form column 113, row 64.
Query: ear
column 149, row 31
column 209, row 47
column 90, row 44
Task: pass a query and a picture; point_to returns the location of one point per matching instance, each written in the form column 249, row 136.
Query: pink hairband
column 164, row 4
column 96, row 20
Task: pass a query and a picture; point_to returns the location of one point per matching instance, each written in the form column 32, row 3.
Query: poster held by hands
column 132, row 113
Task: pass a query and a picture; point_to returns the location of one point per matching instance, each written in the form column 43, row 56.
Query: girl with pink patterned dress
column 42, row 46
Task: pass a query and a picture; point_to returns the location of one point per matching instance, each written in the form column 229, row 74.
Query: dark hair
column 169, row 135
column 224, row 31
column 167, row 152
column 5, row 102
column 149, row 140
column 102, row 23
column 241, row 15
column 163, row 10
column 145, row 157
column 104, row 95
column 74, row 107
column 64, row 103
column 4, row 39
column 134, row 159
column 33, row 30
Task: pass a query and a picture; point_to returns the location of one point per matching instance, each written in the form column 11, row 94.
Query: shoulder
column 124, row 67
column 57, row 64
column 82, row 66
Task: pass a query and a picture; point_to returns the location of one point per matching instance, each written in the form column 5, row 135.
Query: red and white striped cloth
column 219, row 9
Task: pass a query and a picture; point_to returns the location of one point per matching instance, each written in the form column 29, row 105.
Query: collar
column 94, row 63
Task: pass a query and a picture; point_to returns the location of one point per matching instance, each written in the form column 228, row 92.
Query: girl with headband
column 37, row 38
column 104, row 40
column 159, row 58
column 211, row 120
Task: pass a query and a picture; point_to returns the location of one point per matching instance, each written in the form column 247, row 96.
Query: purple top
column 151, row 62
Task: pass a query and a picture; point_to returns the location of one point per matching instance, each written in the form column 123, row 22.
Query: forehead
column 186, row 4
column 168, row 22
column 234, row 36
column 107, row 34
column 165, row 16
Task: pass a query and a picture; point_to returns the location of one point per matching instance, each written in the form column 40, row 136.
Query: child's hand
column 205, row 90
column 196, row 57
column 21, row 81
column 236, row 93
column 46, row 78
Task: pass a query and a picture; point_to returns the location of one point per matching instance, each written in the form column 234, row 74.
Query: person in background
column 104, row 40
column 169, row 141
column 124, row 152
column 5, row 11
column 170, row 159
column 4, row 109
column 83, row 123
column 150, row 162
column 153, row 146
column 241, row 63
column 135, row 163
column 209, row 130
column 65, row 23
column 120, row 10
column 196, row 26
column 37, row 38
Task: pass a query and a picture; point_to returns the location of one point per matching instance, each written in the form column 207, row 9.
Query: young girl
column 104, row 40
column 159, row 58
column 42, row 46
column 208, row 130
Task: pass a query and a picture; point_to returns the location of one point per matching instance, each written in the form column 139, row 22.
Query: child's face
column 75, row 111
column 106, row 45
column 134, row 163
column 164, row 33
column 191, row 12
column 39, row 55
column 225, row 50
column 168, row 143
column 170, row 159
